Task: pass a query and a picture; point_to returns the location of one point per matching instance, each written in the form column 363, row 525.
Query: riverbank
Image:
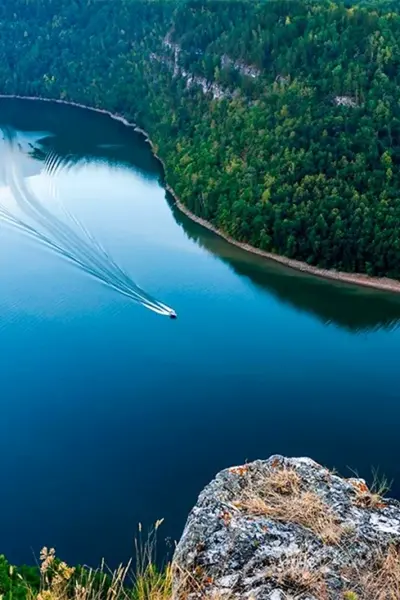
column 379, row 283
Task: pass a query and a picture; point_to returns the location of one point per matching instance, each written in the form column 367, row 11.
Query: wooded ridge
column 278, row 122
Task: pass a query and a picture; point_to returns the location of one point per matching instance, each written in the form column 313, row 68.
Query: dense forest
column 278, row 121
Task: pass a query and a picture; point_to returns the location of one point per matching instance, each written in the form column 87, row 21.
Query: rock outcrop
column 288, row 528
column 345, row 101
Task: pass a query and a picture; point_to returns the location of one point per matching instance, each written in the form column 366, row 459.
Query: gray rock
column 233, row 547
column 345, row 101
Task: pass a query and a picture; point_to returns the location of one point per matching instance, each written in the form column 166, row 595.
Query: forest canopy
column 277, row 121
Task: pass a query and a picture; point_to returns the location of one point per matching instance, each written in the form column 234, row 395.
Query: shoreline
column 358, row 279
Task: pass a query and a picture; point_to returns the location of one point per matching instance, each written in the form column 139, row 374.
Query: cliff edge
column 285, row 529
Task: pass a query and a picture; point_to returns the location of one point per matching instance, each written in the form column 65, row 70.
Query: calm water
column 113, row 414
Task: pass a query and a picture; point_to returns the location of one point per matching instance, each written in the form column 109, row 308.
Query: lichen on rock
column 288, row 528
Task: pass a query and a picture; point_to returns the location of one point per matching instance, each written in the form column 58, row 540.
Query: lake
column 114, row 414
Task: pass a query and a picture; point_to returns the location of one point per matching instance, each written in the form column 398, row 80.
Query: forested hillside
column 279, row 122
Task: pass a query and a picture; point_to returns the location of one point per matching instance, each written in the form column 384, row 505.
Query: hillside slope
column 279, row 122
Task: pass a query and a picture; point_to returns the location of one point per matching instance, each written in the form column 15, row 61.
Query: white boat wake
column 68, row 237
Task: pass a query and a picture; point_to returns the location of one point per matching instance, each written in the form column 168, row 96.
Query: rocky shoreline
column 379, row 283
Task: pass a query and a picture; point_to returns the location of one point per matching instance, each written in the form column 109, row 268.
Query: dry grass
column 146, row 582
column 283, row 497
column 382, row 582
column 58, row 581
column 297, row 574
column 378, row 580
column 150, row 583
column 196, row 584
column 373, row 496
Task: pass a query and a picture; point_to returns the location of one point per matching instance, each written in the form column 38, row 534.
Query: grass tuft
column 282, row 497
column 372, row 496
column 382, row 581
column 150, row 582
column 297, row 574
column 147, row 581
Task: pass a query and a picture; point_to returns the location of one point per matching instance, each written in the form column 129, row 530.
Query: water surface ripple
column 68, row 237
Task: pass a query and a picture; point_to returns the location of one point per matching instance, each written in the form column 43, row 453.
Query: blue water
column 114, row 415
